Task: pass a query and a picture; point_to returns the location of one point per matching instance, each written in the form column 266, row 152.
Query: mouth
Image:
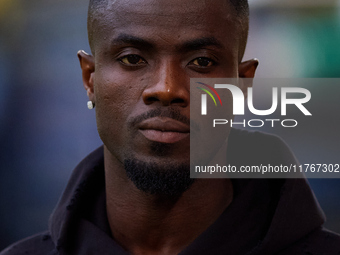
column 164, row 130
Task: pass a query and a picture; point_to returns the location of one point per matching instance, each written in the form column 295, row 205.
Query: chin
column 160, row 177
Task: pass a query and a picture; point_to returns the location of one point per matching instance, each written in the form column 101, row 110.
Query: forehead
column 167, row 10
column 167, row 19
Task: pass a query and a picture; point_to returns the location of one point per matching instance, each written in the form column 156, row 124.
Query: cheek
column 115, row 91
column 116, row 97
column 208, row 140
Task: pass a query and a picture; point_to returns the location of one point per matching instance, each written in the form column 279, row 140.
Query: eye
column 132, row 59
column 202, row 62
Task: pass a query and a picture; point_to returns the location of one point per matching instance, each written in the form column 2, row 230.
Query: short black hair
column 241, row 8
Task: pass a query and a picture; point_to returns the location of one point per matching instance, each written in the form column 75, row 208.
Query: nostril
column 177, row 101
column 151, row 100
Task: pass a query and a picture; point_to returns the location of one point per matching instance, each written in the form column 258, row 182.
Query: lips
column 164, row 130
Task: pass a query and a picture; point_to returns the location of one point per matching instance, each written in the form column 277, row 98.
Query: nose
column 169, row 86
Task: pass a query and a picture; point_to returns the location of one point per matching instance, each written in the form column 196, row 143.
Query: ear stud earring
column 90, row 105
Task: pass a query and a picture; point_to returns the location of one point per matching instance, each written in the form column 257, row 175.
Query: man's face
column 145, row 52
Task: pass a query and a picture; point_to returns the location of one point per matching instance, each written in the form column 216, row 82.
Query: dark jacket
column 267, row 216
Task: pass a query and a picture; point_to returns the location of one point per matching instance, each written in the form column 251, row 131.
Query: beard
column 169, row 180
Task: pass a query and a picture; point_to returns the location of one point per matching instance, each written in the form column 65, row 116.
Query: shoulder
column 254, row 138
column 39, row 244
column 259, row 147
column 320, row 241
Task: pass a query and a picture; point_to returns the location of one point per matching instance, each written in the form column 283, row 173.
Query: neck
column 152, row 224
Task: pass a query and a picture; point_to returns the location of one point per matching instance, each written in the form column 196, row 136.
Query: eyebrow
column 124, row 39
column 200, row 43
column 191, row 45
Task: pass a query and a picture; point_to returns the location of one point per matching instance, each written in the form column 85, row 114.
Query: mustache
column 168, row 112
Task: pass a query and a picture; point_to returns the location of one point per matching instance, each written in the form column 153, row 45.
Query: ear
column 87, row 67
column 247, row 70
